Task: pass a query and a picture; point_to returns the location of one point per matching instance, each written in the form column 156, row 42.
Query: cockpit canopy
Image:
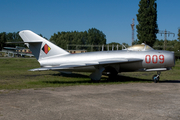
column 140, row 47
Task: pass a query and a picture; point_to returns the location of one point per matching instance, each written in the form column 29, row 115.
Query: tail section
column 40, row 47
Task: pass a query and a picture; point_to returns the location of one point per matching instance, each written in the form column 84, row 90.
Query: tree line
column 91, row 37
column 10, row 37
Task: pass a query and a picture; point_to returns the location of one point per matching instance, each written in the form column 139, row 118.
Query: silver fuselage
column 149, row 60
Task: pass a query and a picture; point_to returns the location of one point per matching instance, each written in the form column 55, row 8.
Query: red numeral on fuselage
column 154, row 59
column 161, row 57
column 148, row 59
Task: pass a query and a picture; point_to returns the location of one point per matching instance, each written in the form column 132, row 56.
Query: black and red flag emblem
column 46, row 48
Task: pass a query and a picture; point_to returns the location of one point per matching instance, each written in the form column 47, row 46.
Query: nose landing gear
column 156, row 78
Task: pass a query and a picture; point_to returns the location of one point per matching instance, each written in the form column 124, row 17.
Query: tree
column 2, row 40
column 135, row 42
column 43, row 36
column 96, row 37
column 147, row 19
column 14, row 37
column 90, row 37
column 179, row 34
column 172, row 45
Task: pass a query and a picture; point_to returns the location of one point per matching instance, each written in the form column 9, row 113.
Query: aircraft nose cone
column 169, row 59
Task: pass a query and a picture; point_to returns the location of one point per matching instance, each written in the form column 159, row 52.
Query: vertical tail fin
column 40, row 47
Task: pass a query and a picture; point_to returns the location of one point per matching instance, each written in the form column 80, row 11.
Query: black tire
column 155, row 78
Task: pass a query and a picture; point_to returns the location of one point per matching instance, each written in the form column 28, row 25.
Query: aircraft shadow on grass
column 71, row 75
column 118, row 78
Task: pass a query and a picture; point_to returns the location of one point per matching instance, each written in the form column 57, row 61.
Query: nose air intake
column 171, row 60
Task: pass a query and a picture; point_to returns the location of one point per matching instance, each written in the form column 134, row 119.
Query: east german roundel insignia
column 46, row 48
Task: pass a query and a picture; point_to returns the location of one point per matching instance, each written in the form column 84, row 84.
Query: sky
column 112, row 17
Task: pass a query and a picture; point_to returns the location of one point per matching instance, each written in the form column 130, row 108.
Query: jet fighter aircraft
column 136, row 58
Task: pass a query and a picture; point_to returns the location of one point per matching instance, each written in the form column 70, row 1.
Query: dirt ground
column 132, row 101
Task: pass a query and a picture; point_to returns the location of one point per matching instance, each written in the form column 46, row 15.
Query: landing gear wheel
column 155, row 78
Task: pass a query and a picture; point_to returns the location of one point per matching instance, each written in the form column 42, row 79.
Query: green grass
column 14, row 74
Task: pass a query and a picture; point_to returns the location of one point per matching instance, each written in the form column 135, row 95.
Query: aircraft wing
column 101, row 62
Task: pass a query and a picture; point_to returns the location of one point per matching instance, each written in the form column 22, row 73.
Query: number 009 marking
column 154, row 59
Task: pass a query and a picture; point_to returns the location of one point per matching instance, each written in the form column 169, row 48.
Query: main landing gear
column 96, row 75
column 156, row 78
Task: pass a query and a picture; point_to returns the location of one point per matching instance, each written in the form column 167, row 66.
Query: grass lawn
column 14, row 74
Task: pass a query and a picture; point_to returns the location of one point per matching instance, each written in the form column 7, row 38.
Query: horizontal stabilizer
column 56, row 68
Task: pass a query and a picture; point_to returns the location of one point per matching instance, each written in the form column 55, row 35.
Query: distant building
column 24, row 51
column 8, row 52
column 11, row 52
column 76, row 51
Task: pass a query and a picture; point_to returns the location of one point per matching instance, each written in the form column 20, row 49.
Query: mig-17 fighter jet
column 135, row 58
